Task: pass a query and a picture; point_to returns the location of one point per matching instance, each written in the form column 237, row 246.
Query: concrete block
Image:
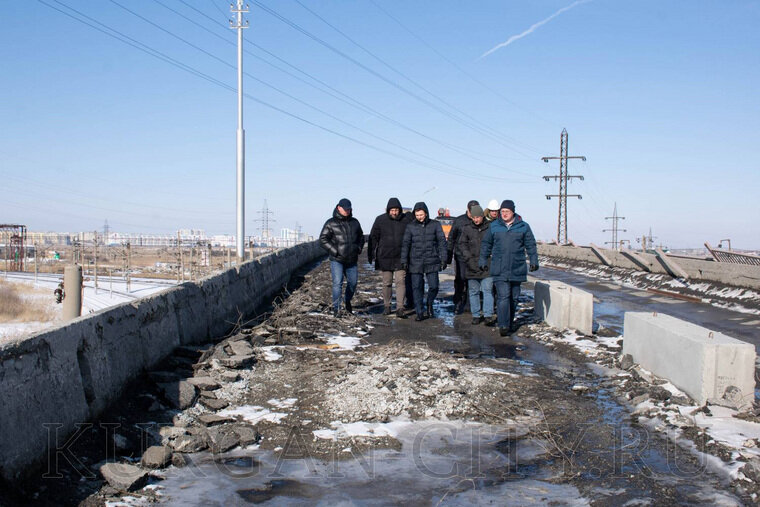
column 704, row 364
column 563, row 306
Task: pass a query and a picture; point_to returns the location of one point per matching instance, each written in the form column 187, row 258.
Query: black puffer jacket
column 343, row 238
column 454, row 234
column 424, row 245
column 468, row 249
column 385, row 238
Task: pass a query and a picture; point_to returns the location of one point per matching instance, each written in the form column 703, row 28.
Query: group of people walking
column 489, row 248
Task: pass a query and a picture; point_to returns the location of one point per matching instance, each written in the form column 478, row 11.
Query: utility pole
column 95, row 240
column 563, row 178
column 615, row 218
column 239, row 25
column 129, row 267
column 35, row 263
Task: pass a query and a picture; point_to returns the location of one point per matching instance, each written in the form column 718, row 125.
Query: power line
column 416, row 96
column 347, row 99
column 157, row 54
column 460, row 69
column 405, row 76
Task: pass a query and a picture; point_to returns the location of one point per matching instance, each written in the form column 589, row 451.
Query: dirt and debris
column 301, row 383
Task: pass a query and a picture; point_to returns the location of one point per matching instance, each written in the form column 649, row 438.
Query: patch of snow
column 270, row 354
column 254, row 414
column 287, row 403
column 344, row 342
column 499, row 372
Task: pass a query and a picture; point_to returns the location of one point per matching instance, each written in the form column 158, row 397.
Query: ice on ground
column 362, row 429
column 254, row 414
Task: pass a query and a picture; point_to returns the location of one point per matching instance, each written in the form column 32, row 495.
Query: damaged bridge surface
column 302, row 408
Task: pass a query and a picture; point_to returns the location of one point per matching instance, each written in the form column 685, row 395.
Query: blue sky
column 661, row 97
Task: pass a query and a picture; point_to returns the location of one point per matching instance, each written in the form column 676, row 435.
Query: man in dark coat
column 506, row 242
column 384, row 248
column 423, row 253
column 343, row 238
column 460, row 280
column 478, row 280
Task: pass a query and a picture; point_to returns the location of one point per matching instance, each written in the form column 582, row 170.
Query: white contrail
column 532, row 28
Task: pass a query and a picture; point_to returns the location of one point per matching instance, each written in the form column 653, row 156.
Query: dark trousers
column 460, row 282
column 418, row 288
column 506, row 301
column 409, row 292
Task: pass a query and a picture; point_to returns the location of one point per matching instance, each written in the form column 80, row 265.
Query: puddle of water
column 455, row 461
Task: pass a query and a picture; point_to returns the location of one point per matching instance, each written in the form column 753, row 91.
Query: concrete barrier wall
column 70, row 374
column 563, row 306
column 706, row 365
column 738, row 275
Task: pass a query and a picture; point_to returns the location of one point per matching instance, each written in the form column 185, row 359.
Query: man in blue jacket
column 507, row 241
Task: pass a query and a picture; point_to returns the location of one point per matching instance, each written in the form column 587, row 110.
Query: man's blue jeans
column 339, row 271
column 506, row 302
column 418, row 288
column 474, row 287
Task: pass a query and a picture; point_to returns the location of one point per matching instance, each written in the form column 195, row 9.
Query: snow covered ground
column 110, row 292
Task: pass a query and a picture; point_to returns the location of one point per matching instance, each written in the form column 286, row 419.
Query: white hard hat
column 493, row 204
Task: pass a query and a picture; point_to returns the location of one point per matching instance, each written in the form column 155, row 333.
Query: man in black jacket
column 385, row 249
column 343, row 238
column 478, row 279
column 460, row 279
column 423, row 253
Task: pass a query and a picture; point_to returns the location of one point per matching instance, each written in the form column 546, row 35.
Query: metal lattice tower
column 266, row 232
column 563, row 178
column 615, row 218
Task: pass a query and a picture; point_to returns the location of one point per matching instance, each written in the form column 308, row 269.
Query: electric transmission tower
column 563, row 178
column 266, row 232
column 615, row 218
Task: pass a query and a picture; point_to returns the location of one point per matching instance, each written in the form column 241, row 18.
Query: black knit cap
column 509, row 204
column 471, row 204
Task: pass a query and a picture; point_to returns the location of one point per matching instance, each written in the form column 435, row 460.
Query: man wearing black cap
column 385, row 249
column 507, row 241
column 343, row 238
column 460, row 277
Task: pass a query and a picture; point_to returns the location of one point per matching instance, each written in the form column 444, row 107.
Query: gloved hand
column 534, row 267
column 404, row 266
column 443, row 266
column 369, row 259
column 450, row 258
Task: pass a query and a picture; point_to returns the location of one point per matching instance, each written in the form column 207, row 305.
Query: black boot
column 387, row 310
column 400, row 314
column 348, row 307
column 420, row 317
column 430, row 310
column 504, row 331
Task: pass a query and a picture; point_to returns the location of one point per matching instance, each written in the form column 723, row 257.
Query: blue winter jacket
column 507, row 248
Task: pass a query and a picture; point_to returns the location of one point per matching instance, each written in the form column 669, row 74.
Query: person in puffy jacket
column 423, row 253
column 478, row 280
column 384, row 248
column 460, row 280
column 343, row 238
column 507, row 241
